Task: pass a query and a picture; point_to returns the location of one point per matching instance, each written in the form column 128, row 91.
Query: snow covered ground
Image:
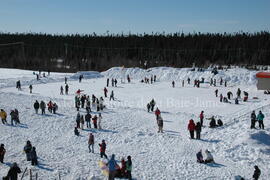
column 130, row 130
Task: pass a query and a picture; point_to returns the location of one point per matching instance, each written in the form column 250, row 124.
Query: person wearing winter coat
column 13, row 172
column 76, row 131
column 157, row 113
column 112, row 165
column 91, row 142
column 152, row 104
column 30, row 88
column 198, row 129
column 61, row 90
column 160, row 124
column 209, row 157
column 219, row 122
column 108, row 80
column 50, row 106
column 3, row 116
column 88, row 119
column 54, row 108
column 42, row 107
column 257, row 173
column 213, row 123
column 103, row 149
column 253, row 120
column 221, row 98
column 99, row 120
column 200, row 157
column 94, row 119
column 78, row 120
column 216, row 92
column 236, row 101
column 82, row 121
column 36, row 106
column 88, row 106
column 191, row 128
column 14, row 117
column 238, row 93
column 201, row 118
column 173, row 84
column 66, row 89
column 2, row 153
column 129, row 167
column 27, row 149
column 229, row 95
column 115, row 82
column 260, row 118
column 105, row 92
column 33, row 155
column 112, row 96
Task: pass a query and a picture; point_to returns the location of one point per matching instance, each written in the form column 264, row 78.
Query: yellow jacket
column 3, row 114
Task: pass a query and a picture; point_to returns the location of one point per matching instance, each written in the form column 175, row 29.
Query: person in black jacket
column 257, row 173
column 33, row 155
column 27, row 149
column 36, row 106
column 2, row 153
column 198, row 129
column 13, row 172
column 253, row 120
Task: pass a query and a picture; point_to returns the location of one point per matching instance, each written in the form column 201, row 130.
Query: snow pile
column 86, row 75
column 234, row 76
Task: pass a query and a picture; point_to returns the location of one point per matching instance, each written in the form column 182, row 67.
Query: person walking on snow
column 129, row 167
column 257, row 173
column 173, row 83
column 260, row 118
column 82, row 121
column 191, row 128
column 108, row 80
column 78, row 120
column 13, row 172
column 30, row 88
column 33, row 155
column 3, row 116
column 99, row 120
column 198, row 129
column 112, row 96
column 103, row 149
column 238, row 93
column 105, row 91
column 42, row 107
column 91, row 142
column 61, row 90
column 148, row 107
column 27, row 149
column 2, row 153
column 216, row 92
column 160, row 124
column 157, row 113
column 152, row 104
column 253, row 120
column 221, row 98
column 66, row 89
column 94, row 119
column 36, row 106
column 201, row 117
column 88, row 120
column 112, row 165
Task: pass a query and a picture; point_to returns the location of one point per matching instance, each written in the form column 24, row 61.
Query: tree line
column 75, row 52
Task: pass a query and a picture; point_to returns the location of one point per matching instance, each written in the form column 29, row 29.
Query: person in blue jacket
column 112, row 165
column 260, row 118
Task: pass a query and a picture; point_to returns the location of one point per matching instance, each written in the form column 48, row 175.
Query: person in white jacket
column 209, row 157
column 99, row 121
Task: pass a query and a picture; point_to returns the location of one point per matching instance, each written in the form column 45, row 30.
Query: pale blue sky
column 136, row 16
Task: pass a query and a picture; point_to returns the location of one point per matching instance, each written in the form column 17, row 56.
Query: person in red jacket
column 50, row 106
column 201, row 118
column 94, row 119
column 157, row 113
column 103, row 149
column 191, row 128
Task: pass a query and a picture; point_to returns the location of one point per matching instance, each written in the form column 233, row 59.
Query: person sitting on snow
column 200, row 157
column 213, row 122
column 220, row 123
column 209, row 157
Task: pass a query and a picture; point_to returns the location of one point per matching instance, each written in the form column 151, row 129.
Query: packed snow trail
column 129, row 129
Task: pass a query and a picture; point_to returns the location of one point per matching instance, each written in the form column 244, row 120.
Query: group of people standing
column 14, row 116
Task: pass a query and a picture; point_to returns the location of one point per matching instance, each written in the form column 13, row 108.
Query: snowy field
column 129, row 129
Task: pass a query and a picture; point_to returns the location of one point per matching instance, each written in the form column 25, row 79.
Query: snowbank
column 86, row 75
column 234, row 76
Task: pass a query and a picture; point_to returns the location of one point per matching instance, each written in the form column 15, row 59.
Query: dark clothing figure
column 2, row 153
column 236, row 101
column 33, row 157
column 253, row 120
column 220, row 123
column 129, row 168
column 88, row 120
column 238, row 93
column 257, row 173
column 76, row 132
column 13, row 172
column 173, row 84
column 31, row 88
column 94, row 119
column 148, row 107
column 213, row 123
column 112, row 96
column 42, row 107
column 27, row 149
column 66, row 89
column 65, row 80
column 36, row 106
column 108, row 80
column 200, row 157
column 103, row 149
column 198, row 129
column 152, row 104
column 216, row 92
column 61, row 90
column 78, row 120
column 229, row 95
column 105, row 92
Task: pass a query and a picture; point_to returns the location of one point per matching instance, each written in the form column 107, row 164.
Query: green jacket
column 260, row 117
